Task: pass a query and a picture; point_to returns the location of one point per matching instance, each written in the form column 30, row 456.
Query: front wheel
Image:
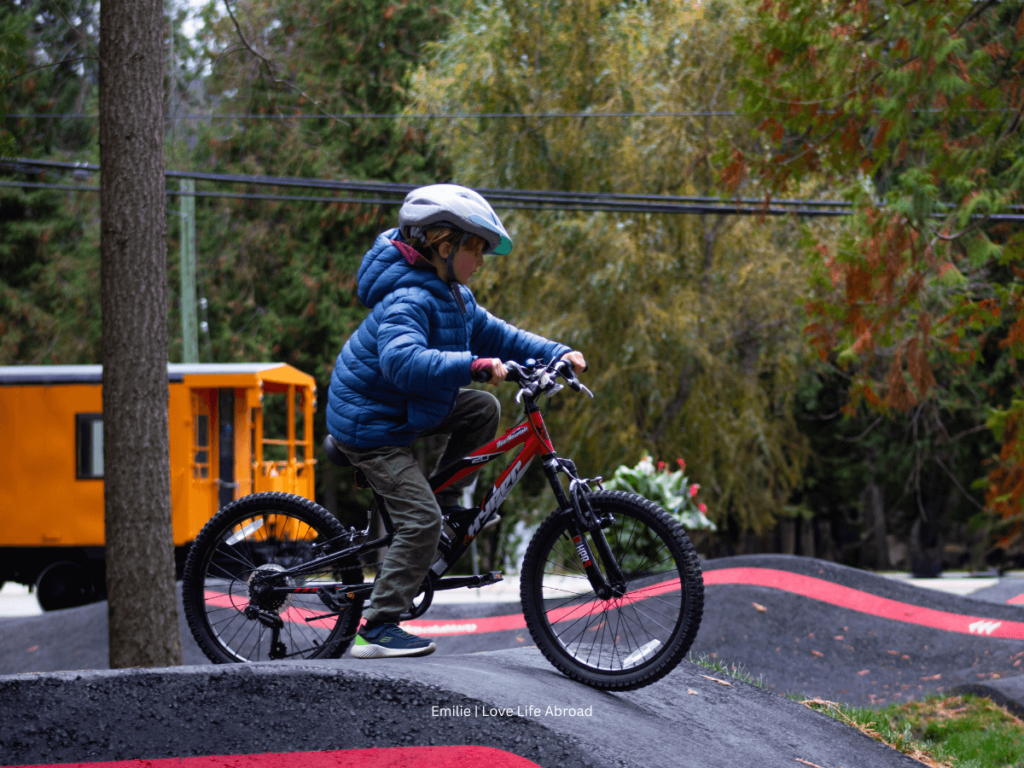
column 230, row 575
column 643, row 629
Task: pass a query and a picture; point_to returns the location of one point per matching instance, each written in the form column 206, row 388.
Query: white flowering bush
column 670, row 490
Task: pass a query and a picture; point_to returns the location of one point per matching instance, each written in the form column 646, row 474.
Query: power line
column 443, row 115
column 514, row 205
column 493, row 193
column 511, row 199
column 395, row 116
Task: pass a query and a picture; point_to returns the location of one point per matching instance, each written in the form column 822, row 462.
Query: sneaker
column 387, row 641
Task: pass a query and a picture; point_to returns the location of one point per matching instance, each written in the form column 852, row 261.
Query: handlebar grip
column 483, row 375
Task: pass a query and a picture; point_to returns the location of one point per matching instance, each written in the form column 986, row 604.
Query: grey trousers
column 416, row 512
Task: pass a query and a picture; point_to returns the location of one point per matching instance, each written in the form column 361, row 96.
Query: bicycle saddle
column 334, row 453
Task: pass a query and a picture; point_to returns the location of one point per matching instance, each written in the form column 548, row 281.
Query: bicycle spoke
column 248, row 565
column 275, row 540
column 637, row 644
column 640, row 623
column 614, row 635
column 599, row 640
column 615, row 645
column 565, row 600
column 663, row 615
column 565, row 576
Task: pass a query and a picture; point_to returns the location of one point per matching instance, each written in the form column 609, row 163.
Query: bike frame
column 532, row 435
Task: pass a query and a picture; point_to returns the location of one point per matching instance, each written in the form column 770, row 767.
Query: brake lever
column 567, row 371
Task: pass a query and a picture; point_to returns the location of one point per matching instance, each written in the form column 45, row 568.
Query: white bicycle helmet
column 457, row 207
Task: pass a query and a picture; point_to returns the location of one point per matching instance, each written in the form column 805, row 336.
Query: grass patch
column 951, row 732
column 940, row 732
column 735, row 671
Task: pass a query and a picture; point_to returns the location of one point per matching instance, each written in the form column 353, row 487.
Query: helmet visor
column 504, row 244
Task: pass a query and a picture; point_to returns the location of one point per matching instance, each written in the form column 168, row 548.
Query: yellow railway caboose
column 235, row 429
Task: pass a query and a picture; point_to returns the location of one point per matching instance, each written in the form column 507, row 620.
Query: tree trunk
column 142, row 612
column 827, row 549
column 787, row 536
column 807, row 548
column 876, row 546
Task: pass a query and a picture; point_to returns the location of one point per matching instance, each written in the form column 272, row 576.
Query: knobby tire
column 265, row 531
column 628, row 641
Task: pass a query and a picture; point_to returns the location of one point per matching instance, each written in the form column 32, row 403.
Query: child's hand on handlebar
column 576, row 358
column 490, row 370
column 498, row 371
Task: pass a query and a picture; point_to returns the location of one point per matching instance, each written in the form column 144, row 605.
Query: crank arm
column 322, row 616
column 457, row 582
column 351, row 591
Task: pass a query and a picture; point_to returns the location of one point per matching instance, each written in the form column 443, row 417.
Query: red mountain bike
column 611, row 586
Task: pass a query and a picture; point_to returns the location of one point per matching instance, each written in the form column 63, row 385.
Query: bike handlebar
column 537, row 377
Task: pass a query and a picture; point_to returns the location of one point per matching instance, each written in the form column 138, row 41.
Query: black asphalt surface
column 1008, row 692
column 685, row 720
column 1004, row 590
column 796, row 643
column 805, row 646
column 76, row 638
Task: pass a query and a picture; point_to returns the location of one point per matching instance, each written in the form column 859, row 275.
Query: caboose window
column 201, row 449
column 89, row 446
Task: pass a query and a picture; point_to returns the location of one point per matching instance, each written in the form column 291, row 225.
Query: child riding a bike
column 400, row 377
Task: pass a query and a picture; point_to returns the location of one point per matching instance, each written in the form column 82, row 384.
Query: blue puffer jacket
column 400, row 372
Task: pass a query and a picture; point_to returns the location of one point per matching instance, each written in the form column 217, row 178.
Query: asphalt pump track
column 807, row 626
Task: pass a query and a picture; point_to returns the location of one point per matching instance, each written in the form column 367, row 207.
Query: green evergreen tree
column 279, row 277
column 49, row 240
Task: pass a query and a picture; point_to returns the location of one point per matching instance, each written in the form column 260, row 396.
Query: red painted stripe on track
column 392, row 757
column 798, row 584
column 1016, row 600
column 518, row 621
column 467, row 626
column 446, row 627
column 864, row 602
column 292, row 613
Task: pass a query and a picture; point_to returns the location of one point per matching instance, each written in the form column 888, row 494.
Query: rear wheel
column 230, row 574
column 643, row 629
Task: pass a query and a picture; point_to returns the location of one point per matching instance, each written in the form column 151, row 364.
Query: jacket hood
column 385, row 269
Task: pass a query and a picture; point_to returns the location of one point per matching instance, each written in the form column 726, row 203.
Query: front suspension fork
column 573, row 514
column 604, row 588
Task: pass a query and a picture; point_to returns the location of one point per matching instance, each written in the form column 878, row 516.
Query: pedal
column 330, row 601
column 491, row 578
column 458, row 582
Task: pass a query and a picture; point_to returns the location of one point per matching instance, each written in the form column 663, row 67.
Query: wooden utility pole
column 189, row 318
column 142, row 613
